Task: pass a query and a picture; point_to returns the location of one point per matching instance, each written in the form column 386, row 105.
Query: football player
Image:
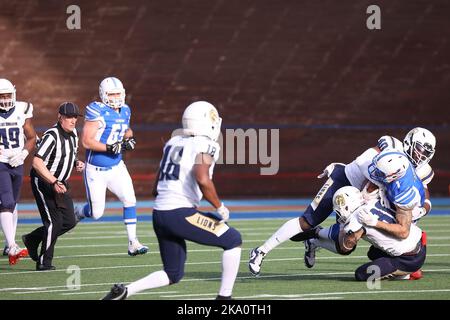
column 339, row 175
column 184, row 177
column 396, row 256
column 17, row 140
column 106, row 133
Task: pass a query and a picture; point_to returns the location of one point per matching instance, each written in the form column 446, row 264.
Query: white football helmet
column 388, row 166
column 202, row 119
column 345, row 201
column 419, row 145
column 6, row 87
column 109, row 86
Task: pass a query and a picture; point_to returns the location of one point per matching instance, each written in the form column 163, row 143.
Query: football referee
column 52, row 165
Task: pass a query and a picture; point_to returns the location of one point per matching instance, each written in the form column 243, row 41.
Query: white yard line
column 205, row 263
column 54, row 288
column 300, row 248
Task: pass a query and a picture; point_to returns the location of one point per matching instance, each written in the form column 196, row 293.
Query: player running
column 106, row 133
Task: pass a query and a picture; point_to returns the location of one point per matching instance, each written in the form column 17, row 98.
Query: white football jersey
column 12, row 138
column 380, row 239
column 177, row 186
column 357, row 171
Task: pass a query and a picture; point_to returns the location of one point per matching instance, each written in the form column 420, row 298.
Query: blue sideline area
column 441, row 206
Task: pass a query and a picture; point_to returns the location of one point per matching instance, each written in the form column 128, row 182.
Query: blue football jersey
column 112, row 128
column 406, row 192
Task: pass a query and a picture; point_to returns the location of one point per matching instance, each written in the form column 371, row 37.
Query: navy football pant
column 10, row 184
column 389, row 265
column 174, row 227
column 322, row 205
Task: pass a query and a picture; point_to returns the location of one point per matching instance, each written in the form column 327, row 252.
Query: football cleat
column 118, row 292
column 5, row 251
column 135, row 248
column 255, row 261
column 416, row 275
column 15, row 253
column 310, row 253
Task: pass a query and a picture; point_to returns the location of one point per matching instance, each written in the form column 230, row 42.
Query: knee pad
column 97, row 211
column 129, row 202
column 175, row 277
column 361, row 275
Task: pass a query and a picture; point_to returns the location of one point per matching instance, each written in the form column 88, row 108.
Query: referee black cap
column 69, row 109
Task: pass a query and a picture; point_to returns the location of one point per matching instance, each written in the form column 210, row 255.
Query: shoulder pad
column 425, row 173
column 389, row 142
column 206, row 145
column 94, row 110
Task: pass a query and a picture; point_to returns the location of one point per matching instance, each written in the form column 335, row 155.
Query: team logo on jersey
column 208, row 224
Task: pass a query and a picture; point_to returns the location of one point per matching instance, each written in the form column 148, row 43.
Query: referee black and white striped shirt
column 58, row 149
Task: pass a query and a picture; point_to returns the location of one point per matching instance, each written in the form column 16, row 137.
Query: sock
column 230, row 267
column 15, row 218
column 129, row 218
column 287, row 231
column 7, row 222
column 154, row 280
column 327, row 238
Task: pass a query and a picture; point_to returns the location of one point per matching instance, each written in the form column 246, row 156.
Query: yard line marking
column 41, row 289
column 300, row 246
column 200, row 263
column 195, row 250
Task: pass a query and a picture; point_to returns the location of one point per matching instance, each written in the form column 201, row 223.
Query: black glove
column 114, row 148
column 129, row 144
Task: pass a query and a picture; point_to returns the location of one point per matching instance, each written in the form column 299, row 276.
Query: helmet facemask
column 420, row 154
column 7, row 100
column 419, row 145
column 111, row 99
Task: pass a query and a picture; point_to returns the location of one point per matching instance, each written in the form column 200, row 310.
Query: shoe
column 416, row 275
column 219, row 297
column 42, row 267
column 118, row 292
column 310, row 253
column 32, row 248
column 135, row 248
column 256, row 259
column 15, row 253
column 5, row 251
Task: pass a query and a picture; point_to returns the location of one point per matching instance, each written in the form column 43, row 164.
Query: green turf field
column 100, row 251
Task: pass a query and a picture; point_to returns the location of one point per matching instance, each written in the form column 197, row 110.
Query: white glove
column 18, row 159
column 224, row 213
column 418, row 212
column 367, row 218
column 329, row 169
column 384, row 199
